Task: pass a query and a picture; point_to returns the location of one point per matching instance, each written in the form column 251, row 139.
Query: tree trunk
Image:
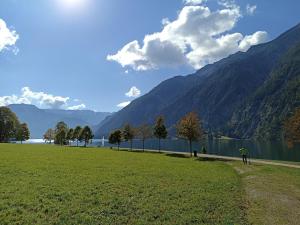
column 131, row 145
column 77, row 142
column 143, row 145
column 158, row 144
column 118, row 146
column 191, row 150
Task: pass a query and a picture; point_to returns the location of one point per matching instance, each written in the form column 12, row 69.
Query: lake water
column 258, row 149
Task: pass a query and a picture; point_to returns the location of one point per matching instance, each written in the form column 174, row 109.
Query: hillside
column 39, row 120
column 276, row 99
column 216, row 91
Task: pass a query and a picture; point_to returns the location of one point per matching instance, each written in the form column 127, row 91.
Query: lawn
column 59, row 185
column 42, row 184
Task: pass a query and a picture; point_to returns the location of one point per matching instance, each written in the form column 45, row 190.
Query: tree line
column 189, row 128
column 11, row 129
column 63, row 135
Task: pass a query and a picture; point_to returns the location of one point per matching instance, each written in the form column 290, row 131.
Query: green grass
column 273, row 193
column 58, row 185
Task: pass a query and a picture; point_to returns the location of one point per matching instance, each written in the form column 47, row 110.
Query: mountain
column 39, row 120
column 273, row 102
column 216, row 92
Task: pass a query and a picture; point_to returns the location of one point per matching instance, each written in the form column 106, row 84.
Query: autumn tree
column 23, row 133
column 115, row 138
column 128, row 134
column 160, row 130
column 292, row 129
column 189, row 128
column 49, row 135
column 144, row 132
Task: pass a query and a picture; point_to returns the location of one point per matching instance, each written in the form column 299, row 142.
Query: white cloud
column 197, row 37
column 40, row 99
column 193, row 2
column 44, row 99
column 134, row 92
column 8, row 37
column 77, row 107
column 123, row 104
column 254, row 39
column 251, row 9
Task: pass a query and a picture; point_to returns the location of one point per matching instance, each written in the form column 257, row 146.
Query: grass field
column 42, row 184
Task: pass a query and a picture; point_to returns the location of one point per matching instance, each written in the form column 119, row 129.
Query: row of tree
column 11, row 128
column 189, row 128
column 62, row 135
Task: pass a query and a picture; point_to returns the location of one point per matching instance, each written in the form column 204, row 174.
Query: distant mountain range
column 39, row 120
column 246, row 95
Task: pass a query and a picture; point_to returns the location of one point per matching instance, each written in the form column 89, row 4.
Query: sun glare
column 73, row 4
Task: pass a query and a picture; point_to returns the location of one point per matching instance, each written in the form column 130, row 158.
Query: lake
column 258, row 149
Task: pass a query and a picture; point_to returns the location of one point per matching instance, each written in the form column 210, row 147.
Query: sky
column 101, row 55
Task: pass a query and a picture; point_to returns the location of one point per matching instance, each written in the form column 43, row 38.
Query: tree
column 144, row 132
column 189, row 128
column 23, row 133
column 76, row 134
column 86, row 135
column 70, row 135
column 49, row 135
column 128, row 134
column 8, row 124
column 160, row 130
column 115, row 138
column 292, row 129
column 61, row 131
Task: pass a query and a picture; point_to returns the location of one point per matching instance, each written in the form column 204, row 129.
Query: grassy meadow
column 43, row 184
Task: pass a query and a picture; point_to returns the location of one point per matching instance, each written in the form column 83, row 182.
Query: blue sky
column 66, row 54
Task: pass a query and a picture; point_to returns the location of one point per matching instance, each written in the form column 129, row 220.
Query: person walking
column 244, row 154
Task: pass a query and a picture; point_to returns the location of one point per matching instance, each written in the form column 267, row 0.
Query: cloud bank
column 40, row 99
column 8, row 37
column 199, row 36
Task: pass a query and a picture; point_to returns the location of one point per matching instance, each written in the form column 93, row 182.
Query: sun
column 73, row 4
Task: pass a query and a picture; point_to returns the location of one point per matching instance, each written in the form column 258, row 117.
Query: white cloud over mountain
column 40, row 99
column 197, row 37
column 77, row 107
column 123, row 104
column 8, row 37
column 134, row 92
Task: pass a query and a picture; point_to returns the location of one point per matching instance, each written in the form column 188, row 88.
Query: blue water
column 257, row 149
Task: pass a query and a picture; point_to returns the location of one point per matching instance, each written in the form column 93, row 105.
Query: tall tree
column 128, row 134
column 86, row 135
column 115, row 138
column 292, row 129
column 160, row 130
column 189, row 128
column 49, row 135
column 144, row 132
column 70, row 135
column 61, row 130
column 76, row 134
column 23, row 133
column 8, row 124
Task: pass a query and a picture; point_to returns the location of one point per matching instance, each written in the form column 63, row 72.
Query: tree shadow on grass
column 209, row 159
column 177, row 155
